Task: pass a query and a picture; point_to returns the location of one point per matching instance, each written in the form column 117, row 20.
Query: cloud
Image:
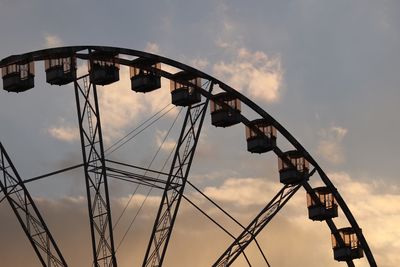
column 152, row 48
column 290, row 239
column 52, row 40
column 255, row 73
column 228, row 33
column 168, row 144
column 373, row 205
column 120, row 107
column 330, row 144
column 242, row 191
column 200, row 63
column 64, row 133
column 222, row 44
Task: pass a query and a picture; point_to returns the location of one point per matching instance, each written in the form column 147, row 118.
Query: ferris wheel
column 192, row 91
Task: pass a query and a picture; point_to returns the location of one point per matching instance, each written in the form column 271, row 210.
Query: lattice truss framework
column 20, row 200
column 96, row 170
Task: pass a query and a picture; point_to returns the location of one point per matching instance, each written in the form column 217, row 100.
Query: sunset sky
column 328, row 71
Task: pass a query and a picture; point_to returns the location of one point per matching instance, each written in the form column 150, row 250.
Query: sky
column 328, row 71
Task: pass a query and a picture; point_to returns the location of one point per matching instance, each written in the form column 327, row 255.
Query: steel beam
column 28, row 215
column 176, row 182
column 95, row 173
column 254, row 228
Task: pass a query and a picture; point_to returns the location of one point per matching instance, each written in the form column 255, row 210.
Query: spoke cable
column 216, row 223
column 230, row 216
column 133, row 136
column 140, row 168
column 195, row 206
column 148, row 193
column 135, row 129
column 136, row 178
column 154, row 185
column 129, row 180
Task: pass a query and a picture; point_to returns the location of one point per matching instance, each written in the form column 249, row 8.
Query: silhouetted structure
column 184, row 94
column 187, row 90
column 262, row 141
column 177, row 177
column 351, row 248
column 144, row 80
column 225, row 110
column 95, row 172
column 60, row 70
column 328, row 208
column 18, row 77
column 28, row 214
column 295, row 172
column 103, row 68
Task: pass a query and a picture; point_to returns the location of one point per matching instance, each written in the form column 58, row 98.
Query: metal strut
column 176, row 182
column 28, row 214
column 255, row 227
column 95, row 174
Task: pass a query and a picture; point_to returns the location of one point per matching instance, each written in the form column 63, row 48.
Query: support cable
column 195, row 206
column 142, row 204
column 143, row 179
column 215, row 222
column 146, row 170
column 126, row 206
column 41, row 177
column 128, row 180
column 148, row 193
column 136, row 128
column 230, row 216
column 130, row 138
column 4, row 197
column 140, row 168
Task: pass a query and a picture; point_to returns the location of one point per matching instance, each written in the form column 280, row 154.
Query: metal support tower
column 28, row 215
column 255, row 227
column 95, row 173
column 176, row 182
